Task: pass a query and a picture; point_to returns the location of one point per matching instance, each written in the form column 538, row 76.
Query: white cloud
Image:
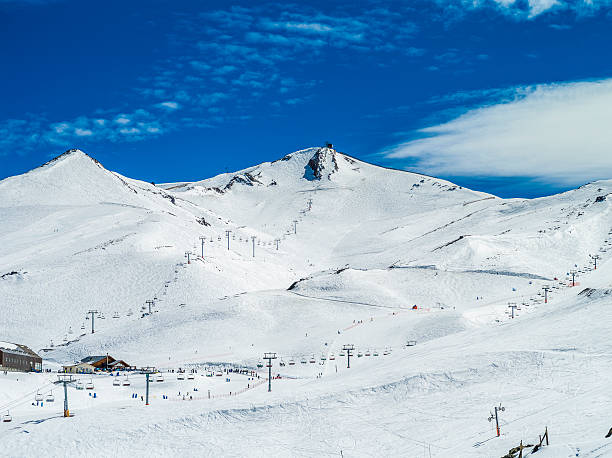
column 558, row 132
column 83, row 132
column 122, row 120
column 532, row 8
column 169, row 105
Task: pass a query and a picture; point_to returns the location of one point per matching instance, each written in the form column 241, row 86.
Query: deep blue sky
column 183, row 90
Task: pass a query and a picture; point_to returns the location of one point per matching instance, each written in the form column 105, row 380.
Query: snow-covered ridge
column 301, row 256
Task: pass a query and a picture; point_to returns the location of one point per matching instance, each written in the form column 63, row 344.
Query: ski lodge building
column 17, row 357
column 106, row 363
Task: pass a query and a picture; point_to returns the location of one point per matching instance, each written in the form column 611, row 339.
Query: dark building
column 106, row 363
column 16, row 357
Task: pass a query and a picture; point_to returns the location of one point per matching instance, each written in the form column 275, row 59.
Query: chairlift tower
column 594, row 257
column 295, row 226
column 269, row 357
column 492, row 416
column 65, row 379
column 348, row 348
column 546, row 289
column 277, row 241
column 253, row 239
column 512, row 306
column 573, row 274
column 202, row 238
column 93, row 313
column 148, row 372
column 150, row 303
column 227, row 234
column 188, row 256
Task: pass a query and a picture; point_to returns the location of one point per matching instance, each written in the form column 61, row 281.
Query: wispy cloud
column 20, row 135
column 529, row 9
column 555, row 132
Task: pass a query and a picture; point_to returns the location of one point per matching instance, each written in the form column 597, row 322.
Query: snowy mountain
column 302, row 256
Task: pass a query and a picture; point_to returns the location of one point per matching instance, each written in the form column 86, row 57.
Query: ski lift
column 312, row 360
column 411, row 343
column 323, row 357
column 367, row 353
column 38, row 397
column 79, row 385
column 219, row 373
column 7, row 418
column 102, row 317
column 375, row 353
column 292, row 362
column 180, row 376
column 159, row 378
column 116, row 315
column 89, row 385
column 343, row 354
column 190, row 376
column 359, row 354
column 332, row 357
column 126, row 381
column 260, row 364
column 50, row 397
column 116, row 382
column 303, row 361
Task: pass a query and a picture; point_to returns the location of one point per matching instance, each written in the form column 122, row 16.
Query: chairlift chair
column 260, row 364
column 209, row 374
column 190, row 376
column 83, row 327
column 7, row 417
column 282, row 363
column 89, row 385
column 359, row 354
column 332, row 357
column 323, row 357
column 367, row 353
column 312, row 359
column 116, row 382
column 159, row 378
column 38, row 397
column 116, row 315
column 292, row 362
column 374, row 353
column 79, row 385
column 126, row 381
column 50, row 397
column 70, row 330
column 219, row 373
column 180, row 376
column 303, row 361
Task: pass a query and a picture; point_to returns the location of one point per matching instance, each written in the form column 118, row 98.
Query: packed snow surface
column 302, row 256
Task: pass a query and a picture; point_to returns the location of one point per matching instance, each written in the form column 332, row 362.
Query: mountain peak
column 72, row 155
column 322, row 164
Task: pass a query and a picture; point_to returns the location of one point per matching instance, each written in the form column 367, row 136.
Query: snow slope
column 358, row 246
